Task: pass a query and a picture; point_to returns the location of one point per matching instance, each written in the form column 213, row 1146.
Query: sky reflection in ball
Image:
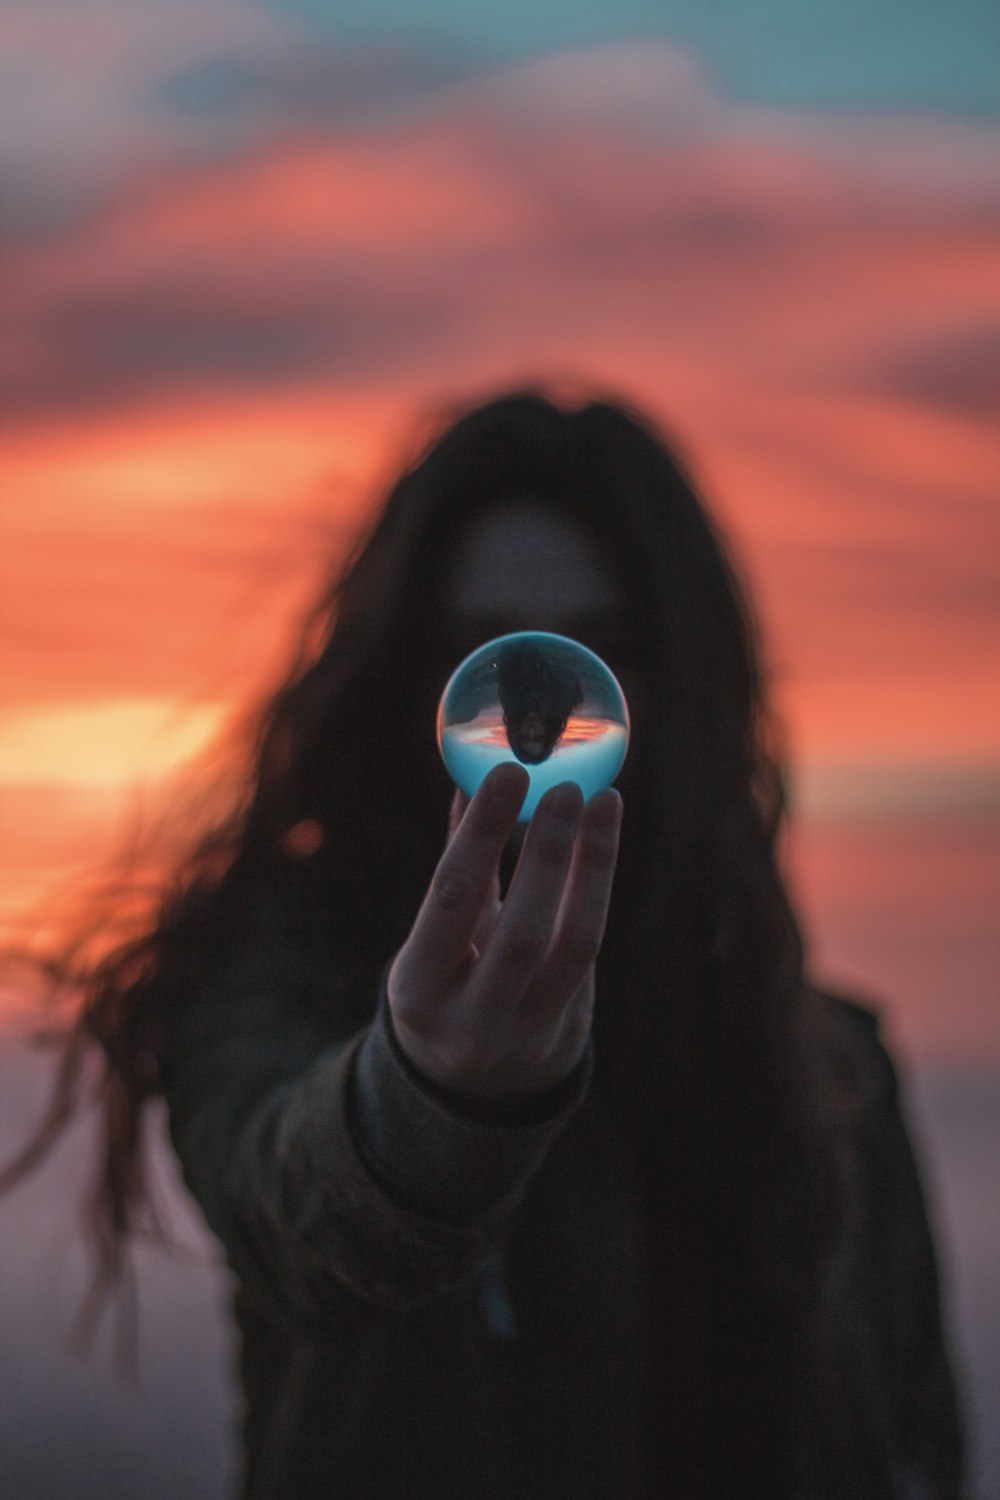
column 541, row 700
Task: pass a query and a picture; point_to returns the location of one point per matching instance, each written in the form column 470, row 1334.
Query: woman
column 504, row 1221
column 537, row 695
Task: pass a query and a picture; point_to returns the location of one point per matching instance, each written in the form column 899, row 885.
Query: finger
column 575, row 1019
column 487, row 920
column 460, row 889
column 584, row 912
column 456, row 812
column 527, row 920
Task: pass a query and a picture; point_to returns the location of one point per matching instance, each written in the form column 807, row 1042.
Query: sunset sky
column 250, row 248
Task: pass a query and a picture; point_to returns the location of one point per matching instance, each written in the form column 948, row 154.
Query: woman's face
column 530, row 739
column 526, row 567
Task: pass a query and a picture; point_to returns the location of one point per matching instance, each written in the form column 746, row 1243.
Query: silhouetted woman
column 537, row 695
column 503, row 1222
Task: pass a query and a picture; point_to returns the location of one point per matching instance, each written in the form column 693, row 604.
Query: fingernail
column 508, row 785
column 607, row 808
column 566, row 801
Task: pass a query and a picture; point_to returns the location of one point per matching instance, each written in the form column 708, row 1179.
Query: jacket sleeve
column 324, row 1205
column 896, row 1276
column 927, row 1409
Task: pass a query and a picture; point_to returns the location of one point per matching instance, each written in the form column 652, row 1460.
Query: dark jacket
column 433, row 1308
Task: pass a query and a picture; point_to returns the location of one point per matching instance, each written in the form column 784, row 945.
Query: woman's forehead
column 523, row 559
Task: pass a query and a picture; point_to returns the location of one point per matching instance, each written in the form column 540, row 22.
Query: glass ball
column 541, row 700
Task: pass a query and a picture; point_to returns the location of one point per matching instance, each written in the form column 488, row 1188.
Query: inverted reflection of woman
column 477, row 1253
column 537, row 695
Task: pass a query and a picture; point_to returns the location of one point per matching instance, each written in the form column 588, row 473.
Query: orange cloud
column 207, row 381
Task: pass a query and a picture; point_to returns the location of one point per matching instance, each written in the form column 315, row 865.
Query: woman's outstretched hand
column 493, row 1000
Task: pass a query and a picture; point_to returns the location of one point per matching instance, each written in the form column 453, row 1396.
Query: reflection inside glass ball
column 539, row 699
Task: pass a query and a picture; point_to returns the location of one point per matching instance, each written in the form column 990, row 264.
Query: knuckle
column 581, row 946
column 406, row 1005
column 552, row 848
column 525, row 945
column 453, row 891
column 600, row 846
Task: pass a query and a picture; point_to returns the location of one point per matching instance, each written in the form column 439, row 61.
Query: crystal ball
column 542, row 700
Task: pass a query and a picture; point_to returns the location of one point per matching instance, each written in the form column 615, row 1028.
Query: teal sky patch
column 930, row 56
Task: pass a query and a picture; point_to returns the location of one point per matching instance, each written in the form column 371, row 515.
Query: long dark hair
column 700, row 1038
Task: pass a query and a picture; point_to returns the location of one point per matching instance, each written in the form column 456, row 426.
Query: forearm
column 451, row 1158
column 327, row 1196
